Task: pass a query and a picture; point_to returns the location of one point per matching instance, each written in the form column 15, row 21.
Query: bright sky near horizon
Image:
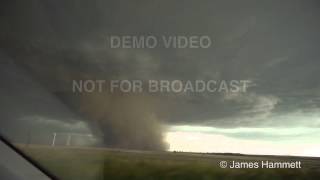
column 254, row 140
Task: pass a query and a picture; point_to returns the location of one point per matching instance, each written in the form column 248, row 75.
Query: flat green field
column 99, row 163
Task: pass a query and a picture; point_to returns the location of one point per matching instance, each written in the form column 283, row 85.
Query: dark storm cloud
column 271, row 43
column 27, row 108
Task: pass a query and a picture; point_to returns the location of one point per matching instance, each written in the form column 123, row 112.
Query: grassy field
column 93, row 163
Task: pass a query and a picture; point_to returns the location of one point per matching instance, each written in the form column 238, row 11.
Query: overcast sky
column 275, row 45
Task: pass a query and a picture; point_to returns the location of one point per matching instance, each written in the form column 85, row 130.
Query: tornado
column 57, row 42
